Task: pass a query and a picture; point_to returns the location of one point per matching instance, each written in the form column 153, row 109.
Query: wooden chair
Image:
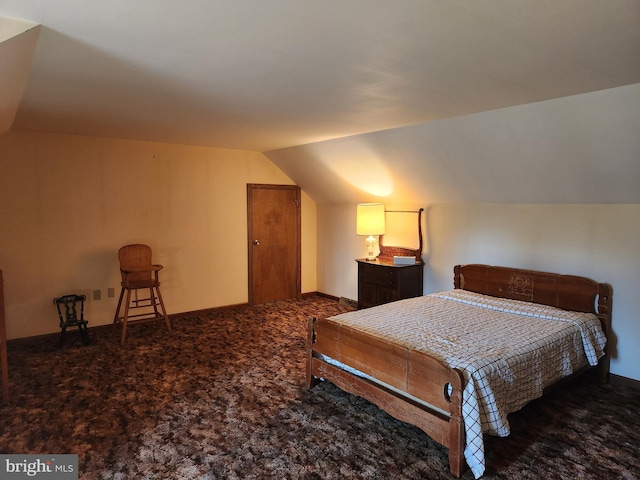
column 71, row 313
column 4, row 365
column 139, row 274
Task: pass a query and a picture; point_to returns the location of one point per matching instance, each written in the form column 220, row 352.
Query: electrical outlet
column 97, row 294
column 111, row 292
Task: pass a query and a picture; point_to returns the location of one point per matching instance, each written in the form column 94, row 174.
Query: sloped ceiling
column 17, row 43
column 277, row 75
column 583, row 149
column 264, row 75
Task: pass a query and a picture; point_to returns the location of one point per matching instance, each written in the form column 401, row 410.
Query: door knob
column 256, row 242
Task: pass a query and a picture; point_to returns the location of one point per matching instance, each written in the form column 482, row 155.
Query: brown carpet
column 224, row 398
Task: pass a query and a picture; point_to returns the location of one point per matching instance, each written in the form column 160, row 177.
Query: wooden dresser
column 382, row 281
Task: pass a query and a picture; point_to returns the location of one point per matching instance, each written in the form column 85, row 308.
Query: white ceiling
column 268, row 74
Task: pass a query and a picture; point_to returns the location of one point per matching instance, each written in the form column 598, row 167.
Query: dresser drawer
column 377, row 275
column 382, row 282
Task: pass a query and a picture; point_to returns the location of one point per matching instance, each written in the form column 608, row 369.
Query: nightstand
column 381, row 281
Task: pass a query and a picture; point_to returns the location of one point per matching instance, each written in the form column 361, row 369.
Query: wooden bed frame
column 426, row 378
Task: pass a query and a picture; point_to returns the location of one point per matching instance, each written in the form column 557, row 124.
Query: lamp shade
column 370, row 219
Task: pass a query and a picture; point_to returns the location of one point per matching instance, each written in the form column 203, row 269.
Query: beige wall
column 67, row 203
column 597, row 241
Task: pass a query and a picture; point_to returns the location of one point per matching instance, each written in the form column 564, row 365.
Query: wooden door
column 273, row 218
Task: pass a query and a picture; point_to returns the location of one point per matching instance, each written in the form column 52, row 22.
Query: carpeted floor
column 223, row 398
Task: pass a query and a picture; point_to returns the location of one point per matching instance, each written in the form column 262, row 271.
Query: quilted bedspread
column 508, row 350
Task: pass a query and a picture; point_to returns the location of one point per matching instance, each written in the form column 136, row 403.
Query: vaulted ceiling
column 266, row 75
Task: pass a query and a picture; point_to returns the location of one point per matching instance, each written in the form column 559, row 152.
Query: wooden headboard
column 569, row 292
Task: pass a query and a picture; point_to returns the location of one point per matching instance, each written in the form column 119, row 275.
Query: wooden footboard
column 437, row 388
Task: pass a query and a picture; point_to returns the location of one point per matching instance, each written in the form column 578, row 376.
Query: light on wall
column 370, row 222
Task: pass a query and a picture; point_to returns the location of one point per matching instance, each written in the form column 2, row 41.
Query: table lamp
column 370, row 222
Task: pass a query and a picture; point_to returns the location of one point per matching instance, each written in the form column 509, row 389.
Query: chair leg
column 164, row 311
column 154, row 302
column 84, row 332
column 115, row 319
column 125, row 318
column 62, row 332
column 155, row 298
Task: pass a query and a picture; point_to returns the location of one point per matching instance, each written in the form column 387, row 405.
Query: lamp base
column 371, row 246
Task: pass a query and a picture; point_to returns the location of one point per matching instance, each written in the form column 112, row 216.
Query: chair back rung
column 143, row 316
column 138, row 301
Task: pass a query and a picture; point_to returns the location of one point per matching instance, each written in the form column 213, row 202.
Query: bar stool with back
column 139, row 274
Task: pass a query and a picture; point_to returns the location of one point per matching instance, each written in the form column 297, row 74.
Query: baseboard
column 342, row 300
column 47, row 337
column 323, row 295
column 307, row 295
column 203, row 311
column 624, row 381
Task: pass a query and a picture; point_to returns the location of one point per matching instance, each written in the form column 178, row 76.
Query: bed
column 456, row 363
